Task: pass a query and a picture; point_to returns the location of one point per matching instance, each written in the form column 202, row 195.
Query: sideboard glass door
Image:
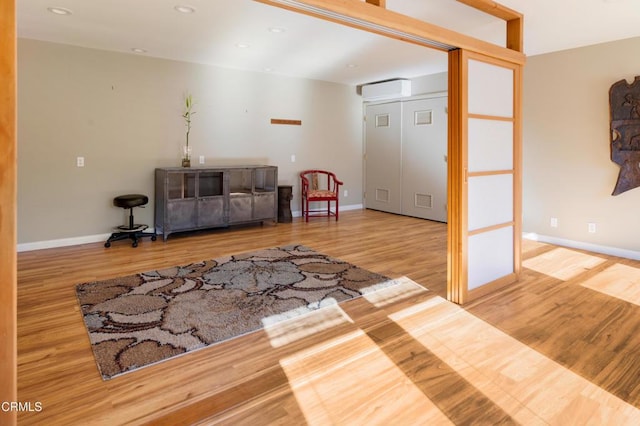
column 181, row 202
column 211, row 199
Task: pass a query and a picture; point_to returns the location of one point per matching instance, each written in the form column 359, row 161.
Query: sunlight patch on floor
column 402, row 290
column 299, row 323
column 619, row 281
column 530, row 244
column 288, row 331
column 562, row 263
column 350, row 380
column 530, row 387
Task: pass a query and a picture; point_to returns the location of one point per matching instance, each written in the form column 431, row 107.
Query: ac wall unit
column 392, row 89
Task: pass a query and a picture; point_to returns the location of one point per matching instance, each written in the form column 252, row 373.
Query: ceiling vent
column 390, row 89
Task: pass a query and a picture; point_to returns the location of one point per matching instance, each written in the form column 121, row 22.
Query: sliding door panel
column 490, row 167
column 490, row 195
column 485, row 174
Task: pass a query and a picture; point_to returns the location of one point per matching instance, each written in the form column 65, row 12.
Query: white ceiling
column 310, row 47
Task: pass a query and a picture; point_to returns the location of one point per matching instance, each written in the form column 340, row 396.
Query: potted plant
column 188, row 112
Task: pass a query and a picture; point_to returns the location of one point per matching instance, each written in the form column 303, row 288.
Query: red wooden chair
column 314, row 189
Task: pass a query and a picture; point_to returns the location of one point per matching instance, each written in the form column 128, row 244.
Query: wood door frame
column 372, row 12
column 372, row 16
column 8, row 193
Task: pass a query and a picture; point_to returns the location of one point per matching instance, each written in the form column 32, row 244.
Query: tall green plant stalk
column 188, row 112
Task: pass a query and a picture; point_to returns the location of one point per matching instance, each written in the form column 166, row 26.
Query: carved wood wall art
column 624, row 107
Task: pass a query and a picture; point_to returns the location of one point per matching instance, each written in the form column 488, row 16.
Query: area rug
column 142, row 319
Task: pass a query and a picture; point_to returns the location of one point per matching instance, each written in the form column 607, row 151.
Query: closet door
column 383, row 133
column 424, row 158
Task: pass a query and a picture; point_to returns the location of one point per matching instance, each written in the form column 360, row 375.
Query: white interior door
column 424, row 158
column 383, row 135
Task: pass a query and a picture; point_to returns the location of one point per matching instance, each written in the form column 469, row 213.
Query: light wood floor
column 560, row 347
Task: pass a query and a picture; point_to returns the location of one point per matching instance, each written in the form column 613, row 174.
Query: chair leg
column 306, row 210
column 336, row 209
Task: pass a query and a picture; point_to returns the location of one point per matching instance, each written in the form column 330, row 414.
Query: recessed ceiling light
column 138, row 50
column 59, row 10
column 243, row 45
column 184, row 9
column 267, row 69
column 352, row 66
column 277, row 30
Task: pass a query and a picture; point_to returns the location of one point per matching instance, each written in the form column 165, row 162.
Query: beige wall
column 122, row 112
column 568, row 173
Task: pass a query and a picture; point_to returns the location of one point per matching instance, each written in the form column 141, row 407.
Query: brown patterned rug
column 142, row 319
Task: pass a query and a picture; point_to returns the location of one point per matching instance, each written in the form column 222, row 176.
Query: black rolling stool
column 133, row 232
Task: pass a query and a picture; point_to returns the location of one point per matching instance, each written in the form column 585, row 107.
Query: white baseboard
column 612, row 251
column 64, row 242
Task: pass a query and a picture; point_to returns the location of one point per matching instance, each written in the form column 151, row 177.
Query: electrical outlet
column 293, row 158
column 80, row 162
column 346, row 193
column 201, row 159
column 553, row 222
column 591, row 227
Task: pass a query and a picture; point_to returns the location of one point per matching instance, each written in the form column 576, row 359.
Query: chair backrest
column 318, row 179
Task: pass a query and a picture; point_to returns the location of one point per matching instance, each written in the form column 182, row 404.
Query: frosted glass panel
column 490, row 256
column 490, row 89
column 490, row 145
column 490, row 200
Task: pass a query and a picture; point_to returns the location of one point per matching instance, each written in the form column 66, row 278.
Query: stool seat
column 130, row 200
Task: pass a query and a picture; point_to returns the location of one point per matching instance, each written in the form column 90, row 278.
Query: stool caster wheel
column 107, row 244
column 154, row 238
column 135, row 244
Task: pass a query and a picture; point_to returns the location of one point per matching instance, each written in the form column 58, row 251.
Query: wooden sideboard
column 187, row 199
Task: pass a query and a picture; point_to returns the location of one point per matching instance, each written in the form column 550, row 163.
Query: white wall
column 568, row 173
column 431, row 83
column 122, row 113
